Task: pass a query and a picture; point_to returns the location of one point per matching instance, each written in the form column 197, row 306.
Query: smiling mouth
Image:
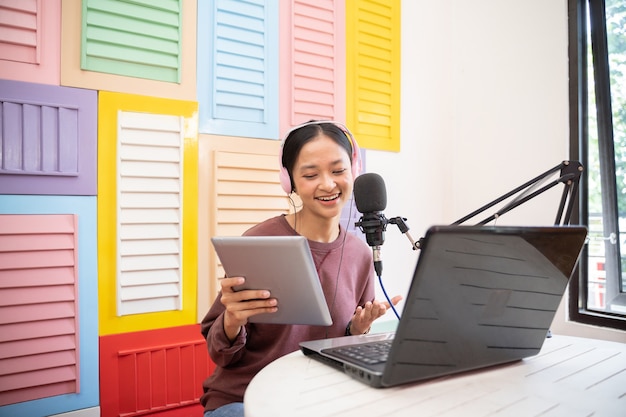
column 328, row 198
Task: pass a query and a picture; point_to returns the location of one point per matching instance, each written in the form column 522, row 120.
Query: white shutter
column 149, row 204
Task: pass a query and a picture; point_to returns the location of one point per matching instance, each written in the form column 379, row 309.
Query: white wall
column 484, row 109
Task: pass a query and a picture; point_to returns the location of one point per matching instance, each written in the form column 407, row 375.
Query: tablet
column 284, row 266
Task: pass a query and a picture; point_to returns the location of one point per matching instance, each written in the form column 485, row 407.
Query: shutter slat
column 143, row 278
column 38, row 313
column 149, row 247
column 47, row 328
column 151, row 262
column 49, row 294
column 37, row 259
column 17, row 243
column 144, row 306
column 32, row 277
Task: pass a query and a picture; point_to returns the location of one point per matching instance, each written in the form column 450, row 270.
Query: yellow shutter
column 373, row 73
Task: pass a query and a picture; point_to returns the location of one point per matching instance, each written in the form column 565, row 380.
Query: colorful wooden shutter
column 39, row 346
column 312, row 61
column 246, row 190
column 20, row 36
column 43, row 220
column 147, row 212
column 30, row 40
column 238, row 68
column 238, row 186
column 134, row 39
column 48, row 140
column 150, row 209
column 153, row 372
column 373, row 68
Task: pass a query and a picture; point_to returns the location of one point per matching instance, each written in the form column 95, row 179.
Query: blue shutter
column 238, row 68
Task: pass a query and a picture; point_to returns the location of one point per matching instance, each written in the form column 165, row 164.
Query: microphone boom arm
column 570, row 172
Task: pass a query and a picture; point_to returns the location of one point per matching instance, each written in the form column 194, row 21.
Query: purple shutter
column 48, row 139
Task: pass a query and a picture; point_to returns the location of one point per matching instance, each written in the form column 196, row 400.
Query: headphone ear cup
column 355, row 170
column 285, row 180
column 357, row 164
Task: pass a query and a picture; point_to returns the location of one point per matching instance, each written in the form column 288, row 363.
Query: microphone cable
column 380, row 280
column 332, row 304
column 343, row 244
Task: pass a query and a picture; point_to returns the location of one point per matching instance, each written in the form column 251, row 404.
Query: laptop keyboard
column 369, row 353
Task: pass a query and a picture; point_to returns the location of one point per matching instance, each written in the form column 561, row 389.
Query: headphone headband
column 285, row 179
column 340, row 125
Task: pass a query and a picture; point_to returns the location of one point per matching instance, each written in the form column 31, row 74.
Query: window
column 598, row 140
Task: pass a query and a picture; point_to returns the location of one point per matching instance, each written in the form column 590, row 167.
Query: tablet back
column 284, row 266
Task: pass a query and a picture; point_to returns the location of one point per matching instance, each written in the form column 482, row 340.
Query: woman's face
column 322, row 176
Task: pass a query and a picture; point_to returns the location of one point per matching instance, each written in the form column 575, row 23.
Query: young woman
column 319, row 161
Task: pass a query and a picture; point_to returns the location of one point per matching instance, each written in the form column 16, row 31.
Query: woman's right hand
column 243, row 304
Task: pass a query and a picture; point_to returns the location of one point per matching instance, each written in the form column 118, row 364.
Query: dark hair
column 300, row 136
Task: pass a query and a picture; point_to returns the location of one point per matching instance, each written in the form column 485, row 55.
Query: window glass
column 605, row 156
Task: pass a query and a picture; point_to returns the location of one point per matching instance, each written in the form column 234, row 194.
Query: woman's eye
column 340, row 171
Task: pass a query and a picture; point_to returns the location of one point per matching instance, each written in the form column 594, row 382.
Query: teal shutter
column 140, row 38
column 238, row 68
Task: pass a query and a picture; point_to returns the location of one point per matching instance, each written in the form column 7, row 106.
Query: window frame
column 579, row 130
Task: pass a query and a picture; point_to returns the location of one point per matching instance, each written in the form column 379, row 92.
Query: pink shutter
column 38, row 307
column 30, row 40
column 21, row 34
column 312, row 61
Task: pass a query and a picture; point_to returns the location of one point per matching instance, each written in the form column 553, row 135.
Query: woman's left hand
column 365, row 315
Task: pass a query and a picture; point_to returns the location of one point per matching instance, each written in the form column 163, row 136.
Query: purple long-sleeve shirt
column 346, row 271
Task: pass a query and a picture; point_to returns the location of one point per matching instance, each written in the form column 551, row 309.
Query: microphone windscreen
column 370, row 194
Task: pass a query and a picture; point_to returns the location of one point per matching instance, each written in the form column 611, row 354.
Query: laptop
column 284, row 266
column 480, row 296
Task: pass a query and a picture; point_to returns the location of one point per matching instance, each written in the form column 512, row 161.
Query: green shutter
column 140, row 39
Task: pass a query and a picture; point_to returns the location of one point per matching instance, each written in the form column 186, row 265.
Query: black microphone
column 370, row 196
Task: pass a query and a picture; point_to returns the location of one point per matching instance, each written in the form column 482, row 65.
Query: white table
column 570, row 377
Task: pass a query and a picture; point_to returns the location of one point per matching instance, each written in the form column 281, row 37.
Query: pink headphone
column 285, row 180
